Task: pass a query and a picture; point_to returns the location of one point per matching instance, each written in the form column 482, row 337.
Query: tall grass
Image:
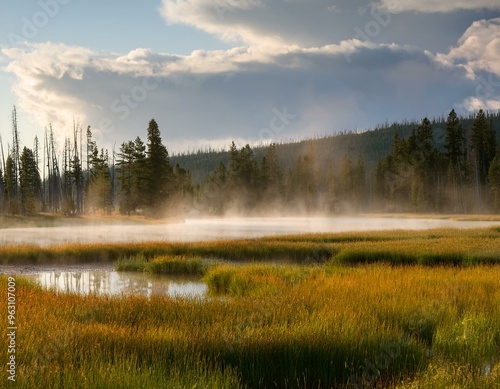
column 279, row 326
column 166, row 264
column 433, row 247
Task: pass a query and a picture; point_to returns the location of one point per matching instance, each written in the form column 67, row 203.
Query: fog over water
column 227, row 228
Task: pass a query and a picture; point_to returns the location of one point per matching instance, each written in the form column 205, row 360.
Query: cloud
column 478, row 49
column 432, row 6
column 478, row 52
column 293, row 76
column 273, row 23
column 246, row 93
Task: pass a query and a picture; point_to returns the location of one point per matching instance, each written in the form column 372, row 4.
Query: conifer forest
column 449, row 165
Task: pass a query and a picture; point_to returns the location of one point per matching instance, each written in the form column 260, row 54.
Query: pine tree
column 494, row 181
column 30, row 183
column 331, row 190
column 242, row 178
column 214, row 194
column 483, row 142
column 305, row 184
column 345, row 180
column 380, row 184
column 139, row 175
column 424, row 168
column 100, row 190
column 158, row 185
column 425, row 139
column 76, row 174
column 11, row 187
column 455, row 140
column 125, row 170
column 269, row 181
column 182, row 196
column 359, row 185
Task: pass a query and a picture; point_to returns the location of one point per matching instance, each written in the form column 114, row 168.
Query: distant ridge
column 372, row 145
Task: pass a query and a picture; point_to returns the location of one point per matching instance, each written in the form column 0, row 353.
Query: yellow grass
column 321, row 326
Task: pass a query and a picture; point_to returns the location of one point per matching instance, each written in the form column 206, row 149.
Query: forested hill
column 371, row 145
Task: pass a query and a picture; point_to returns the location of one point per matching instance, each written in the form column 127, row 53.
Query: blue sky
column 212, row 71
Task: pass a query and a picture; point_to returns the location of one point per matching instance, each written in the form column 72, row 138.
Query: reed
column 432, row 247
column 290, row 326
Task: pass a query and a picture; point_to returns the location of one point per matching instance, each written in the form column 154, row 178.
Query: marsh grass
column 433, row 247
column 256, row 279
column 390, row 309
column 167, row 264
column 231, row 250
column 285, row 326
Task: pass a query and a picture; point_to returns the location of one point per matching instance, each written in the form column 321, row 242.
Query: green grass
column 166, row 264
column 430, row 248
column 289, row 326
column 392, row 309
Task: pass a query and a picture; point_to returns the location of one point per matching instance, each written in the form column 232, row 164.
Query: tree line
column 87, row 179
column 415, row 176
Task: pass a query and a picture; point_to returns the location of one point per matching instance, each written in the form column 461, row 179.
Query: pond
column 104, row 280
column 221, row 228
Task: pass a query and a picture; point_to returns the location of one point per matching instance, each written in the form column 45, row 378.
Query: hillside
column 371, row 145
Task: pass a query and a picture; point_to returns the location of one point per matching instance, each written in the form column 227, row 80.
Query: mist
column 209, row 229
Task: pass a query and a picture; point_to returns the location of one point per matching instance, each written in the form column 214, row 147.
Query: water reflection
column 120, row 283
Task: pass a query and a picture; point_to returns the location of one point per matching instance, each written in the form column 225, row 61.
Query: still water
column 110, row 282
column 227, row 228
column 107, row 281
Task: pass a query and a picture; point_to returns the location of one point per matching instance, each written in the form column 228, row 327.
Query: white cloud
column 211, row 16
column 270, row 23
column 473, row 104
column 236, row 93
column 478, row 49
column 431, row 6
column 224, row 94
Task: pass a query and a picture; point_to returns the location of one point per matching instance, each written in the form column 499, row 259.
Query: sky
column 252, row 71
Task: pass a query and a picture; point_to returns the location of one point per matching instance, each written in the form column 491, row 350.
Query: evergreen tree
column 11, row 187
column 30, row 184
column 139, row 174
column 76, row 174
column 456, row 153
column 270, row 181
column 483, row 142
column 380, row 184
column 494, row 181
column 455, row 140
column 125, row 170
column 158, row 185
column 100, row 191
column 331, row 191
column 182, row 196
column 345, row 179
column 424, row 168
column 214, row 194
column 242, row 178
column 302, row 185
column 359, row 186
